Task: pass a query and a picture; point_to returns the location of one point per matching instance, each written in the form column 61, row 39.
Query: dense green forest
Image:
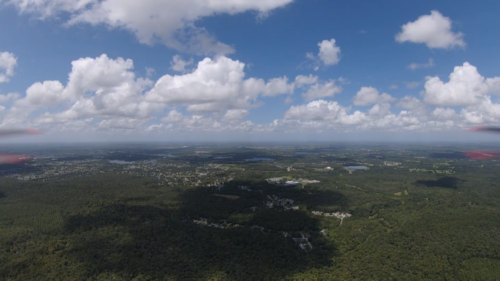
column 404, row 225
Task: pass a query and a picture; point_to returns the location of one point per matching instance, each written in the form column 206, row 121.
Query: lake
column 356, row 168
column 259, row 159
column 120, row 162
column 166, row 155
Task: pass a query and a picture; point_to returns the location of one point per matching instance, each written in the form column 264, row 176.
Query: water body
column 356, row 168
column 255, row 159
column 166, row 155
column 120, row 162
column 305, row 153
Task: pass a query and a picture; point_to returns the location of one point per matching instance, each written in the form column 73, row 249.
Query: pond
column 356, row 168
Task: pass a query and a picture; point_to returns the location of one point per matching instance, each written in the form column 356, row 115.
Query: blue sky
column 364, row 85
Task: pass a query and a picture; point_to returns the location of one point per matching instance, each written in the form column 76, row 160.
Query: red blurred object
column 481, row 155
column 13, row 158
column 485, row 129
column 13, row 132
column 476, row 129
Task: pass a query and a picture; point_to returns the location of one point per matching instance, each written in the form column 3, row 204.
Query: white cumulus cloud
column 329, row 54
column 215, row 85
column 7, row 64
column 444, row 113
column 103, row 95
column 48, row 93
column 466, row 87
column 231, row 121
column 302, row 80
column 179, row 65
column 484, row 113
column 369, row 95
column 320, row 111
column 321, row 115
column 9, row 97
column 235, row 114
column 171, row 22
column 322, row 90
column 96, row 87
column 434, row 30
column 494, row 85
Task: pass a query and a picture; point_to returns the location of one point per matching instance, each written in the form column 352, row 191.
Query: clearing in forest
column 232, row 197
